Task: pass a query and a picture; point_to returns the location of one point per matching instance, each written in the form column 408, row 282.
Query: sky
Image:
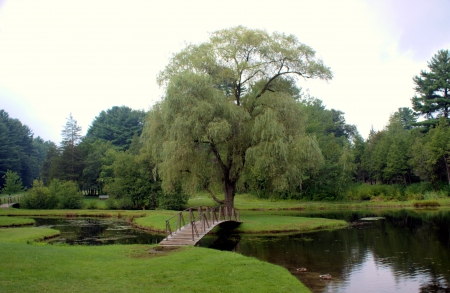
column 82, row 57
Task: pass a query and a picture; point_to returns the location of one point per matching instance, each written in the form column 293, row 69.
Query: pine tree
column 70, row 154
column 433, row 90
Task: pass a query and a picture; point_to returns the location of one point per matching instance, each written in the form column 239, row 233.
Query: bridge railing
column 10, row 199
column 201, row 219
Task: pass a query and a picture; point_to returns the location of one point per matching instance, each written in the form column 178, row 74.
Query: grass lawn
column 15, row 221
column 261, row 222
column 250, row 202
column 132, row 268
column 24, row 235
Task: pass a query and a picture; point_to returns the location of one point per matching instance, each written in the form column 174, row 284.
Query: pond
column 93, row 231
column 403, row 251
column 400, row 251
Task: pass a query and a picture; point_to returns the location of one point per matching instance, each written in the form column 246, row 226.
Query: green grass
column 261, row 222
column 154, row 220
column 26, row 234
column 94, row 201
column 136, row 268
column 250, row 202
column 15, row 221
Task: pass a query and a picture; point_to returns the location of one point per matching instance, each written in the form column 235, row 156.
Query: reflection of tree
column 411, row 242
column 434, row 286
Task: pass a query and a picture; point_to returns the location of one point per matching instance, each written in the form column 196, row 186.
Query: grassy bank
column 250, row 202
column 133, row 268
column 261, row 222
column 15, row 221
column 25, row 235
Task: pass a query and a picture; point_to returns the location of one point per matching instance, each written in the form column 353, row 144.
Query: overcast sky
column 59, row 57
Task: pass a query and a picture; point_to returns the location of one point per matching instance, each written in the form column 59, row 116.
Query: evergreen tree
column 70, row 164
column 117, row 125
column 433, row 90
column 13, row 183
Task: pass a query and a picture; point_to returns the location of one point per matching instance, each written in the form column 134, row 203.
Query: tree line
column 233, row 119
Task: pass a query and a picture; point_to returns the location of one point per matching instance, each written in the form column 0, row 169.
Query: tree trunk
column 229, row 189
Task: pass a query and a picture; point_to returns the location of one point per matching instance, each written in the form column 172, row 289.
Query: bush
column 426, row 203
column 416, row 191
column 40, row 197
column 376, row 192
column 175, row 200
column 92, row 205
column 111, row 204
column 68, row 193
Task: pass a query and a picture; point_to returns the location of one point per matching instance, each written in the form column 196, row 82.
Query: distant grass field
column 250, row 202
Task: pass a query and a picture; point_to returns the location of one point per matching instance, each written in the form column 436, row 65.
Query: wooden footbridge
column 199, row 221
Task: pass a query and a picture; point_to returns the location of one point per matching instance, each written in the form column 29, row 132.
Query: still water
column 89, row 231
column 404, row 251
column 401, row 251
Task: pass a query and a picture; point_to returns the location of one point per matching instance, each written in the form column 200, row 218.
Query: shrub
column 92, row 205
column 175, row 200
column 376, row 192
column 68, row 193
column 111, row 204
column 426, row 203
column 40, row 197
column 417, row 190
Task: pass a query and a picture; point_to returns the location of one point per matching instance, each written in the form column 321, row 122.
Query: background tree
column 433, row 89
column 334, row 137
column 405, row 116
column 93, row 166
column 70, row 163
column 437, row 149
column 16, row 149
column 222, row 109
column 13, row 183
column 117, row 125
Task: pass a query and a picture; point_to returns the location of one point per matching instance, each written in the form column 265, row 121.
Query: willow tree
column 230, row 110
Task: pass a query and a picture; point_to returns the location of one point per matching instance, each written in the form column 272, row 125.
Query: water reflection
column 408, row 251
column 88, row 231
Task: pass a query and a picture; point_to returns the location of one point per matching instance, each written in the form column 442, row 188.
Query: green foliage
column 67, row 161
column 130, row 181
column 431, row 154
column 17, row 152
column 405, row 116
column 229, row 113
column 376, row 192
column 417, row 190
column 175, row 200
column 13, row 183
column 40, row 197
column 433, row 90
column 117, row 125
column 92, row 205
column 68, row 193
column 426, row 203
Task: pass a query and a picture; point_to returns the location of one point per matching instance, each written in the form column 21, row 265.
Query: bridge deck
column 200, row 221
column 183, row 237
column 8, row 205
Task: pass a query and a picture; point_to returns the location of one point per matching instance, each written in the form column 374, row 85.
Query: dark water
column 407, row 251
column 88, row 231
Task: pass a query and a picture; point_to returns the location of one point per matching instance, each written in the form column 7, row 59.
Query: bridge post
column 167, row 229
